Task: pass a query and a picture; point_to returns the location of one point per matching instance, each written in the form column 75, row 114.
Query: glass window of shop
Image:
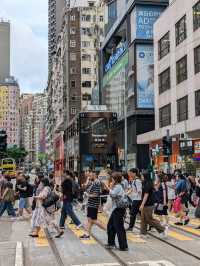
column 114, row 86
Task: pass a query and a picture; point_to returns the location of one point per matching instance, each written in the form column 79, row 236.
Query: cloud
column 29, row 44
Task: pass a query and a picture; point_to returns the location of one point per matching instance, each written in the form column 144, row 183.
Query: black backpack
column 51, row 200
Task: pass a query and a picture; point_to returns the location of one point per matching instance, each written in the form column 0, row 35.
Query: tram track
column 117, row 258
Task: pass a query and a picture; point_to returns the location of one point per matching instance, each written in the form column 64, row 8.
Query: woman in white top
column 171, row 186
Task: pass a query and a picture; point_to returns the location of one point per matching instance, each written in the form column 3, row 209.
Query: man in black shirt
column 67, row 209
column 23, row 192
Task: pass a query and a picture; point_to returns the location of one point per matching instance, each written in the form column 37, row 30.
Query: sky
column 29, row 42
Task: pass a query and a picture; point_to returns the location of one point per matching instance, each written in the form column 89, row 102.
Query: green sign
column 115, row 69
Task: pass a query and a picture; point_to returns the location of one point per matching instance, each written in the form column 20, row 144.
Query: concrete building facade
column 74, row 70
column 177, row 78
column 127, row 85
column 33, row 110
column 4, row 50
column 55, row 9
column 9, row 110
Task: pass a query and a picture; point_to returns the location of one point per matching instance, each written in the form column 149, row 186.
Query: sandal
column 33, row 235
column 59, row 235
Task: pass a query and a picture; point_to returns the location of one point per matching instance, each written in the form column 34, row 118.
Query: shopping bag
column 176, row 205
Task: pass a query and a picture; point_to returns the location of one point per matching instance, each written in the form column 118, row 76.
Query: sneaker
column 179, row 223
column 186, row 221
column 84, row 237
column 129, row 229
column 79, row 226
column 107, row 246
column 164, row 234
column 144, row 236
column 59, row 235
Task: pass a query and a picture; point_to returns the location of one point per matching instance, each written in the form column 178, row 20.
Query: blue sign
column 145, row 76
column 145, row 17
column 114, row 58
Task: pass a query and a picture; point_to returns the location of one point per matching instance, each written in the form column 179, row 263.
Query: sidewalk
column 35, row 252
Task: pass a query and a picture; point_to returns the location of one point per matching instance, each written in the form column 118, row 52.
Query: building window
column 164, row 81
column 73, row 70
column 181, row 32
column 73, row 110
column 86, row 31
column 72, row 17
column 164, row 46
column 86, row 57
column 197, row 102
column 72, row 43
column 196, row 16
column 165, row 115
column 85, row 44
column 72, row 30
column 197, row 59
column 87, row 84
column 112, row 10
column 181, row 70
column 73, row 83
column 86, row 97
column 86, row 71
column 182, row 109
column 85, row 17
column 101, row 18
column 72, row 57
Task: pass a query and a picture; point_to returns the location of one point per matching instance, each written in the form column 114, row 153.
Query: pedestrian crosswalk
column 41, row 241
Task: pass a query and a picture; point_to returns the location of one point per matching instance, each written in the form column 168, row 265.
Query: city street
column 181, row 248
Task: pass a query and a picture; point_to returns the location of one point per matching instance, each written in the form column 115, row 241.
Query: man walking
column 67, row 209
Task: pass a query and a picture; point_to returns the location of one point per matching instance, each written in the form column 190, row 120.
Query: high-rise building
column 177, row 93
column 4, row 50
column 74, row 69
column 9, row 110
column 127, row 77
column 55, row 10
column 33, row 117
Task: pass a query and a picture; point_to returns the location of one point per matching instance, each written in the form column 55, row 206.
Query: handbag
column 122, row 202
column 176, row 205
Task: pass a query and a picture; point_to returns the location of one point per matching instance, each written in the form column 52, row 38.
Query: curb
column 19, row 256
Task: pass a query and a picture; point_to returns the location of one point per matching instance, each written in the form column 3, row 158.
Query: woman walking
column 43, row 217
column 197, row 211
column 147, row 207
column 116, row 222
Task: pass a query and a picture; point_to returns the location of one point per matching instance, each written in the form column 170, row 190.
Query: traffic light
column 3, row 140
column 167, row 146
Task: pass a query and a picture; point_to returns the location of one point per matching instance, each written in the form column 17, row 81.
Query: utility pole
column 168, row 158
column 125, row 132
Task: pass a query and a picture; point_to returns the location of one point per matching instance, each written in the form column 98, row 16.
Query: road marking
column 19, row 257
column 153, row 263
column 195, row 222
column 79, row 232
column 187, row 229
column 178, row 236
column 41, row 241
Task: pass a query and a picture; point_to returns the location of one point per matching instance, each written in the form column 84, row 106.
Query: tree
column 42, row 157
column 18, row 154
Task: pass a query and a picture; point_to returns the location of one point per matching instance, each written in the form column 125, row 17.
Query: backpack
column 51, row 200
column 75, row 189
column 10, row 196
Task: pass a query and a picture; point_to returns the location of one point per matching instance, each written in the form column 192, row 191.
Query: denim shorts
column 23, row 203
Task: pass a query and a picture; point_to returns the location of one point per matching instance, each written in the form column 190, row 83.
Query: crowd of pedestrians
column 122, row 196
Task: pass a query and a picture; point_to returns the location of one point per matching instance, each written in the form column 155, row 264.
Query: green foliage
column 16, row 153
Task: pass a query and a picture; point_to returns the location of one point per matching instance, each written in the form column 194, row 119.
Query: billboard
column 145, row 76
column 142, row 20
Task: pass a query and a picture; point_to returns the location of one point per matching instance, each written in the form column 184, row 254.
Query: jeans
column 67, row 209
column 134, row 212
column 7, row 205
column 147, row 219
column 116, row 227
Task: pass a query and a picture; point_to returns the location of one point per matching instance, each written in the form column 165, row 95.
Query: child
column 8, row 198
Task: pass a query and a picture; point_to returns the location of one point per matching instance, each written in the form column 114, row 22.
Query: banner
column 145, row 76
